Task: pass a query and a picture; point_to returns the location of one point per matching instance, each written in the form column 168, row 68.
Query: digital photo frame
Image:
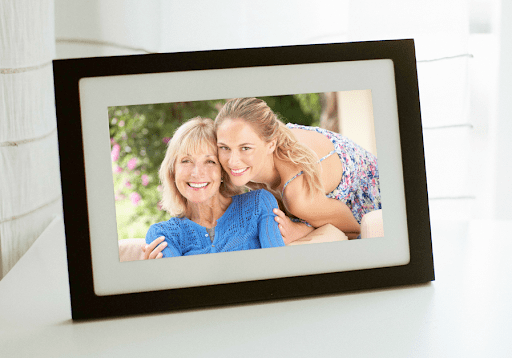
column 102, row 286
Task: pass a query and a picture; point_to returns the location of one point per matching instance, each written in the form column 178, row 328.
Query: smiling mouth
column 237, row 172
column 197, row 185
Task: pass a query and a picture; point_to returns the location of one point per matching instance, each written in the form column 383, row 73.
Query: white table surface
column 466, row 312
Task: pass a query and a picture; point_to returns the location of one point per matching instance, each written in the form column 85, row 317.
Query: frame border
column 86, row 304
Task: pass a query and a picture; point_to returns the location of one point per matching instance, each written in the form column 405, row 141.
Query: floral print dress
column 359, row 188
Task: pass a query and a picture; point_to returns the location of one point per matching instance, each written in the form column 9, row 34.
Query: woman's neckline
column 219, row 220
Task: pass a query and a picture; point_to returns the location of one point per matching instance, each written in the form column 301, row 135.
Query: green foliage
column 139, row 136
column 300, row 108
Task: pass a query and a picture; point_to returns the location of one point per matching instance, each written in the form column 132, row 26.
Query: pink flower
column 132, row 163
column 145, row 179
column 121, row 123
column 116, row 149
column 166, row 140
column 135, row 198
column 128, row 184
column 118, row 169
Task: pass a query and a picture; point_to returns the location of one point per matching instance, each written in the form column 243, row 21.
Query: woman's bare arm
column 318, row 210
column 290, row 231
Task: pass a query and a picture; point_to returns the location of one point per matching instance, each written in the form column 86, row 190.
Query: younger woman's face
column 242, row 153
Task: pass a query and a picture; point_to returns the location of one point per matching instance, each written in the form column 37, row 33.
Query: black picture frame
column 85, row 304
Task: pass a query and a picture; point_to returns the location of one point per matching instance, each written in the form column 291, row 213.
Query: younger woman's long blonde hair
column 268, row 126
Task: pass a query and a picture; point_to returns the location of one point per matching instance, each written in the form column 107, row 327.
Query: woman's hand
column 154, row 250
column 291, row 231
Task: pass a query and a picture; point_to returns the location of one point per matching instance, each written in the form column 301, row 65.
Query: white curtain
column 89, row 28
column 502, row 149
column 29, row 165
column 440, row 29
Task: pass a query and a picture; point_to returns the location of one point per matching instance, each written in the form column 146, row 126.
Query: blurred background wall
column 30, row 195
column 465, row 77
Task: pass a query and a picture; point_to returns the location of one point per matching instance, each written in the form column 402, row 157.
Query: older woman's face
column 198, row 176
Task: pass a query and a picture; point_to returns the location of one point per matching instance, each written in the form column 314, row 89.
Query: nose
column 198, row 170
column 233, row 158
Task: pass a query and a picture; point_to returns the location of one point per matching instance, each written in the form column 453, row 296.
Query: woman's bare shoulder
column 317, row 142
column 297, row 197
column 332, row 168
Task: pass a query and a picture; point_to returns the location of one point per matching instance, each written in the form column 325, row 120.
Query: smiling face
column 198, row 175
column 242, row 153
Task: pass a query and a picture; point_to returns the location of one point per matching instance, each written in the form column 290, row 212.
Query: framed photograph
column 117, row 118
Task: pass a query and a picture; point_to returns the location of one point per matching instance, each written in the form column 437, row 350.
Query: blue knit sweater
column 248, row 223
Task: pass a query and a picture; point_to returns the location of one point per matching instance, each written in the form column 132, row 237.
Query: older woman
column 207, row 216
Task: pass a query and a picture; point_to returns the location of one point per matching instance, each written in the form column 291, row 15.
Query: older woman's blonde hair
column 191, row 137
column 267, row 125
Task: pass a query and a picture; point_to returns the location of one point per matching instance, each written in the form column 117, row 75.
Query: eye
column 246, row 148
column 212, row 161
column 223, row 147
column 185, row 160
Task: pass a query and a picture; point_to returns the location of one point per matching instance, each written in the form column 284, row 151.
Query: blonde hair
column 191, row 137
column 268, row 126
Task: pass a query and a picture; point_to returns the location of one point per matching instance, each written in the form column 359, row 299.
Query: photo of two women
column 244, row 173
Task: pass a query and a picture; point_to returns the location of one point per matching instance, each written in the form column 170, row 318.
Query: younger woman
column 318, row 176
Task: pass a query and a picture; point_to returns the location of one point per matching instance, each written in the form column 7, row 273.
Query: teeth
column 238, row 171
column 198, row 185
